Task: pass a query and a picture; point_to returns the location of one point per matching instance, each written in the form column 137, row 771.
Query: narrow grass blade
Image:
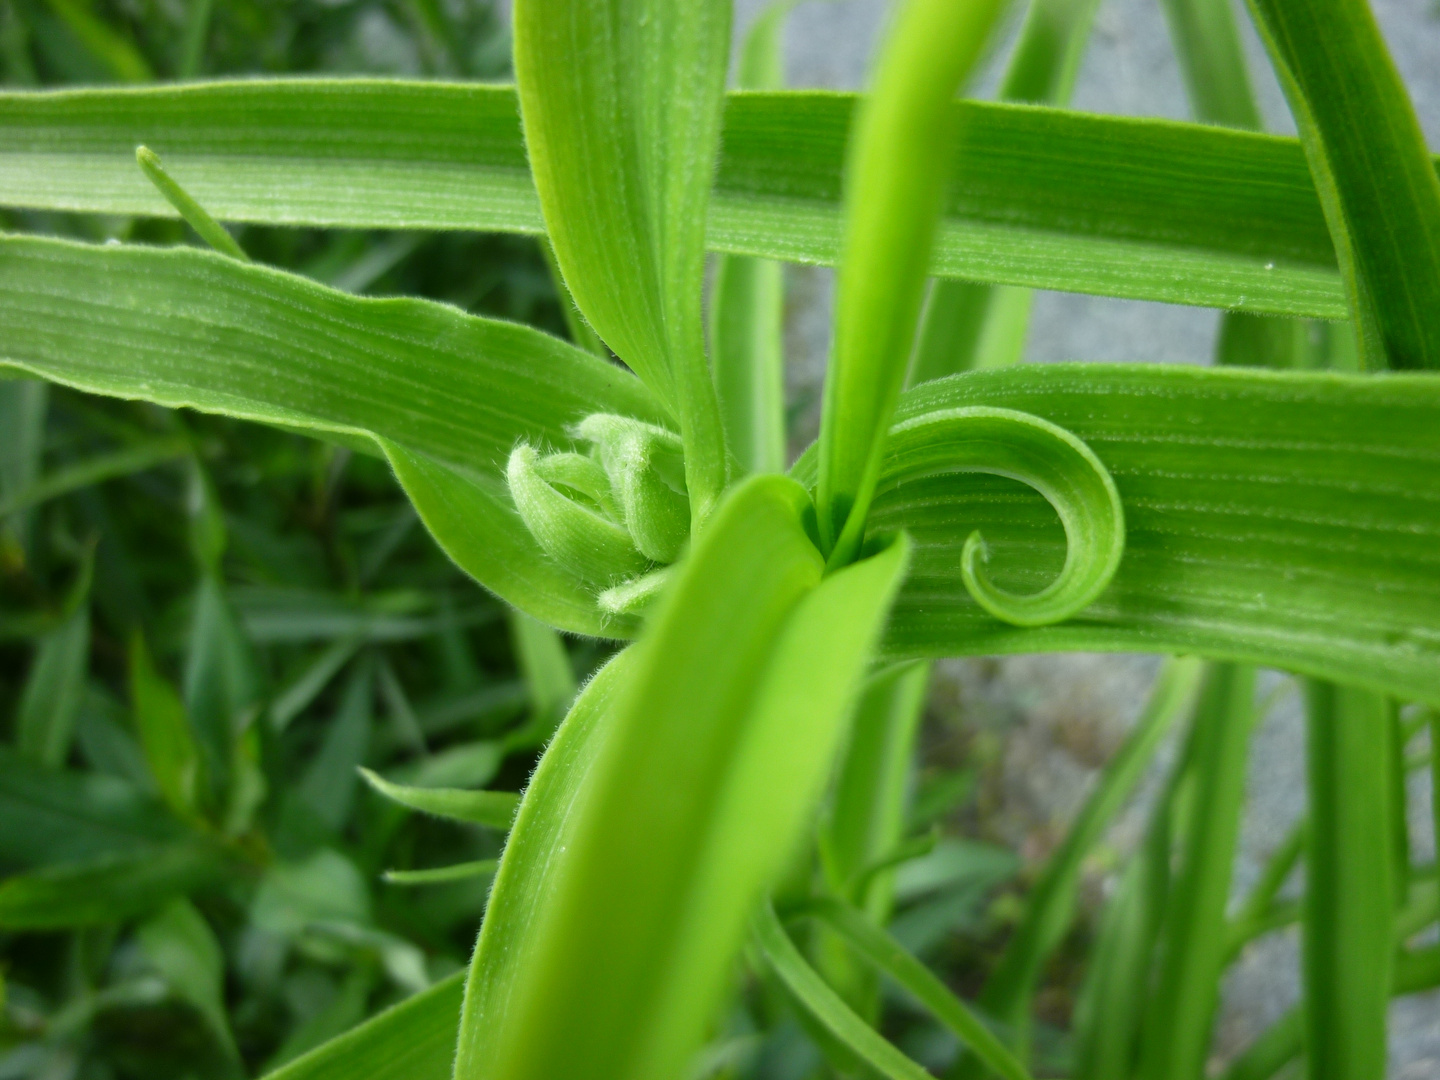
column 107, row 889
column 715, row 755
column 880, row 949
column 1050, row 906
column 328, row 783
column 825, row 1006
column 23, row 407
column 54, row 690
column 747, row 304
column 1376, row 179
column 94, row 470
column 967, row 325
column 166, row 736
column 1207, row 42
column 865, row 826
column 893, row 198
column 443, row 875
column 309, row 684
column 495, row 809
column 1175, row 1043
column 113, row 49
column 1349, row 906
column 543, row 661
column 622, row 137
column 1257, row 914
column 209, row 230
column 414, row 1040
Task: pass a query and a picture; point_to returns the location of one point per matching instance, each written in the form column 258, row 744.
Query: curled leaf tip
column 635, row 596
column 1054, row 462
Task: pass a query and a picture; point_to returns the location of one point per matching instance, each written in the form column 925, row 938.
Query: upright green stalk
column 747, row 308
column 1347, row 946
column 967, row 324
column 1176, row 1040
column 893, row 199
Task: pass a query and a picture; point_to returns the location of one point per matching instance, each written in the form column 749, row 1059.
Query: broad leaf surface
column 711, row 756
column 452, row 393
column 1047, row 198
column 1282, row 518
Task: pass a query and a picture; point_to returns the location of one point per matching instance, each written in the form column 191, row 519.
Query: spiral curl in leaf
column 1049, row 459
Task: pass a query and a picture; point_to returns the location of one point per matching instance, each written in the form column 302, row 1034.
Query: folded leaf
column 1286, row 519
column 1141, row 208
column 452, row 392
column 710, row 757
column 106, row 889
column 414, row 1040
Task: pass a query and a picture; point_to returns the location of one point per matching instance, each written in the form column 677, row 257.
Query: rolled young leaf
column 893, row 197
column 713, row 756
column 1280, row 518
column 621, row 102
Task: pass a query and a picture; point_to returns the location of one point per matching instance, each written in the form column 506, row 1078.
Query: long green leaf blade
column 1175, row 1043
column 1376, row 179
column 493, row 808
column 1349, row 902
column 1180, row 213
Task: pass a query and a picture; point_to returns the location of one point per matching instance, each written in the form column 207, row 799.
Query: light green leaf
column 622, row 136
column 495, row 809
column 1175, row 1041
column 1287, row 519
column 1181, row 213
column 1050, row 907
column 183, row 327
column 165, row 733
column 180, row 945
column 747, row 302
column 893, row 199
column 211, row 231
column 1349, row 893
column 826, row 1006
column 715, row 753
column 105, row 889
column 308, row 685
column 1376, row 179
column 414, row 1040
column 324, row 888
column 1212, row 59
column 54, row 689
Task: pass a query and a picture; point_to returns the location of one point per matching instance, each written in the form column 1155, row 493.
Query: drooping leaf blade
column 493, row 808
column 185, row 327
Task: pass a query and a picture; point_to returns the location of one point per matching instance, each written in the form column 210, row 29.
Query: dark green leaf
column 50, row 702
column 107, row 889
column 165, row 733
